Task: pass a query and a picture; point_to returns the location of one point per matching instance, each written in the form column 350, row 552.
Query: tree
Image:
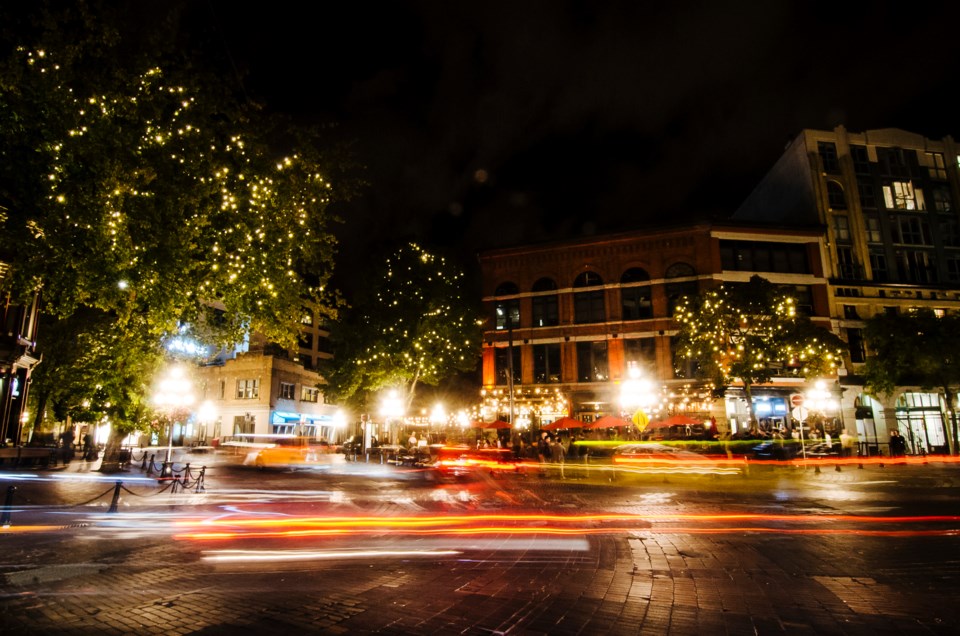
column 919, row 349
column 140, row 186
column 749, row 332
column 412, row 326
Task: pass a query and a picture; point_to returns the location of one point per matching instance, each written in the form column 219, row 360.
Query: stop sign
column 796, row 399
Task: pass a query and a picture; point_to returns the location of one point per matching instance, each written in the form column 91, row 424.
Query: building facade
column 569, row 323
column 889, row 201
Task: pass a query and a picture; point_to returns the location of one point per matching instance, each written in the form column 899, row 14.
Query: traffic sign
column 796, row 399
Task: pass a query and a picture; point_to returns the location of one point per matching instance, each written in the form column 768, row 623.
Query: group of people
column 67, row 450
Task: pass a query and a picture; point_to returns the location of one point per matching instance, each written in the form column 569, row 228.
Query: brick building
column 571, row 319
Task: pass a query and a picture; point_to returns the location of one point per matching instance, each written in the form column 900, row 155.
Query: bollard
column 200, row 487
column 150, row 468
column 838, row 468
column 116, row 497
column 7, row 507
column 817, row 469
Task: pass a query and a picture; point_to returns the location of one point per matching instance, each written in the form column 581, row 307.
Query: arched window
column 507, row 310
column 545, row 305
column 635, row 296
column 588, row 305
column 680, row 288
column 835, row 196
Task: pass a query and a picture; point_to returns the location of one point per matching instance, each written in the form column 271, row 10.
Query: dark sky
column 494, row 123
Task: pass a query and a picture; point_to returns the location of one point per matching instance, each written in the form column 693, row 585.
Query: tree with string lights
column 411, row 326
column 139, row 185
column 750, row 332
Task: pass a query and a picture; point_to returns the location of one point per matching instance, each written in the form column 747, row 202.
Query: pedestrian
column 412, row 442
column 898, row 444
column 846, row 444
column 89, row 452
column 543, row 447
column 557, row 453
column 66, row 445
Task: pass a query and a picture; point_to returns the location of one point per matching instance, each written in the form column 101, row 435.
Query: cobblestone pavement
column 76, row 569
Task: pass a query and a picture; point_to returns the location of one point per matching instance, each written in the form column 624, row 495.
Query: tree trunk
column 111, row 453
column 747, row 389
column 41, row 407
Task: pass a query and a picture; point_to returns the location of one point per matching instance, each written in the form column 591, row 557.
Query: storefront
column 920, row 420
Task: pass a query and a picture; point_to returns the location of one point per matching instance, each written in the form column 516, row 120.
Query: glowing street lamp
column 174, row 393
column 637, row 396
column 391, row 408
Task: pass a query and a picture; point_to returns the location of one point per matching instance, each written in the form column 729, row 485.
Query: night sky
column 498, row 123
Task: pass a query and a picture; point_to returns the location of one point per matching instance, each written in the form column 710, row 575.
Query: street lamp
column 174, row 393
column 391, row 408
column 636, row 397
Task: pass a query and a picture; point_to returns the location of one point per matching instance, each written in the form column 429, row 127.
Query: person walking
column 557, row 455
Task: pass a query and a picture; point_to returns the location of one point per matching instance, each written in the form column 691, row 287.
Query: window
column 757, row 256
column 846, row 263
column 641, row 353
column 223, row 389
column 878, row 264
column 545, row 307
column 635, row 300
column 828, row 156
column 855, row 343
column 306, row 317
column 309, row 394
column 592, row 362
column 287, row 390
column 861, row 160
column 305, row 340
column 502, row 361
column 953, row 268
column 804, row 297
column 950, row 234
column 835, row 196
column 901, row 195
column 850, row 312
column 941, row 199
column 910, row 230
column 244, row 425
column 683, row 367
column 248, row 389
column 893, row 162
column 841, row 228
column 507, row 310
column 677, row 290
column 874, row 235
column 588, row 306
column 546, row 363
column 936, row 168
column 867, row 194
column 915, row 266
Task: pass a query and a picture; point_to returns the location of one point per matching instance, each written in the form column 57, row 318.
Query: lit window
column 841, row 228
column 901, row 195
column 310, row 394
column 935, row 166
column 248, row 389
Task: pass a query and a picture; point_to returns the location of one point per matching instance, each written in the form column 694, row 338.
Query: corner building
column 890, row 203
column 571, row 319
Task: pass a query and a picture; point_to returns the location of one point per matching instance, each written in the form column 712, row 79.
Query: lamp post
column 174, row 393
column 390, row 408
column 637, row 393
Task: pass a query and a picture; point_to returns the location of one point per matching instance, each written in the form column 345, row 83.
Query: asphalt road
column 365, row 548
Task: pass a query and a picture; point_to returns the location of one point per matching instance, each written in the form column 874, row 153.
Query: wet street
column 363, row 548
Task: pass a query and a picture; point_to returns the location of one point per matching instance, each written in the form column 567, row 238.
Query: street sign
column 796, row 399
column 800, row 413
